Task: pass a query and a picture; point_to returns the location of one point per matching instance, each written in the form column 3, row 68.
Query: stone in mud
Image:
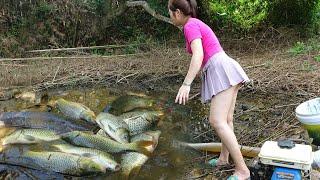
column 8, row 94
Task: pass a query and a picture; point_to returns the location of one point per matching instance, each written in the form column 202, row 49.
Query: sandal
column 235, row 177
column 214, row 163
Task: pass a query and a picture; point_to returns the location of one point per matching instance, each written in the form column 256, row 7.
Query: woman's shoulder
column 194, row 22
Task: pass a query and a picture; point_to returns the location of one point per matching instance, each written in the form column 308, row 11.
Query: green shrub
column 293, row 12
column 238, row 14
column 301, row 13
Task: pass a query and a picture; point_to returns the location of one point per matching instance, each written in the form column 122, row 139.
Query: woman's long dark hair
column 187, row 7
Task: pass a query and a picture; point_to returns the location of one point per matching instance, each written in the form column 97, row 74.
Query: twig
column 260, row 65
column 55, row 74
column 194, row 96
column 200, row 176
column 14, row 65
column 281, row 106
column 126, row 77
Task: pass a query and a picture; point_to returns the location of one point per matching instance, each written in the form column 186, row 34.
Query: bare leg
column 224, row 155
column 219, row 111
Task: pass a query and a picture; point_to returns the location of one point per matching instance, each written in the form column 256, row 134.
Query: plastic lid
column 311, row 107
column 300, row 153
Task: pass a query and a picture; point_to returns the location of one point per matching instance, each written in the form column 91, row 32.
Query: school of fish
column 78, row 142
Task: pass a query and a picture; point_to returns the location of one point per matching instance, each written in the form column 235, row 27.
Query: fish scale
column 46, row 160
column 102, row 143
column 75, row 110
column 64, row 163
column 140, row 121
column 96, row 155
column 28, row 136
column 131, row 162
column 114, row 127
column 43, row 120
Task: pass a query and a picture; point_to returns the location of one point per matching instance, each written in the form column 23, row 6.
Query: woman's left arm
column 194, row 68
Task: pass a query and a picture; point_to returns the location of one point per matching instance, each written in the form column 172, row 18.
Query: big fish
column 131, row 162
column 114, row 127
column 43, row 120
column 101, row 132
column 96, row 155
column 64, row 163
column 102, row 143
column 140, row 121
column 29, row 136
column 127, row 103
column 75, row 110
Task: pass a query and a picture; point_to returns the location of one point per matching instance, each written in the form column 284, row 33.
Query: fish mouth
column 5, row 142
column 2, row 124
column 103, row 169
column 117, row 167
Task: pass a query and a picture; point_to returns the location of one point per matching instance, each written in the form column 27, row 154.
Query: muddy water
column 167, row 162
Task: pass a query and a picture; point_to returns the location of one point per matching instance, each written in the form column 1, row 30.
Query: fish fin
column 52, row 103
column 154, row 140
column 107, row 109
column 141, row 146
column 29, row 138
column 2, row 124
column 111, row 129
column 124, row 175
column 134, row 172
column 88, row 155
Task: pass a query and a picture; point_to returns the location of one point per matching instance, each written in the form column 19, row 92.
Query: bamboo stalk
column 73, row 57
column 216, row 148
column 84, row 48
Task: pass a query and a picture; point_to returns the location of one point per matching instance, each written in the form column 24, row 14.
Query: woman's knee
column 217, row 123
column 230, row 119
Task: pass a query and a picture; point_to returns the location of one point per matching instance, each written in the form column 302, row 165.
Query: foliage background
column 36, row 24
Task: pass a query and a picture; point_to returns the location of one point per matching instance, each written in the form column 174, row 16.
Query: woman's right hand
column 183, row 94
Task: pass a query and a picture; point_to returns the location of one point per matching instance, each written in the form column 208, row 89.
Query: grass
column 317, row 58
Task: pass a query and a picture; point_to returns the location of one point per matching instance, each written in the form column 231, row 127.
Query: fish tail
column 52, row 103
column 141, row 146
column 126, row 174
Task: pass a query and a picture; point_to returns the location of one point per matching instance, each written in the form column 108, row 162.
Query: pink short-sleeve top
column 195, row 29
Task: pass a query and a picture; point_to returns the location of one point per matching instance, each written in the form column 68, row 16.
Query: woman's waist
column 213, row 57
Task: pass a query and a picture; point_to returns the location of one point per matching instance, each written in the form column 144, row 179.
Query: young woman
column 221, row 80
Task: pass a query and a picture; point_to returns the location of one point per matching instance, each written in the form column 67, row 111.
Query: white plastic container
column 299, row 157
column 308, row 113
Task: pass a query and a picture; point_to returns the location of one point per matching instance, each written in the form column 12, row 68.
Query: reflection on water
column 165, row 163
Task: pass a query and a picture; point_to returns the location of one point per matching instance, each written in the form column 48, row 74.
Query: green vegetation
column 49, row 24
column 246, row 15
column 310, row 48
column 240, row 14
column 305, row 48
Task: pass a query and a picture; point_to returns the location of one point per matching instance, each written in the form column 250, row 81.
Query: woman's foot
column 240, row 175
column 217, row 162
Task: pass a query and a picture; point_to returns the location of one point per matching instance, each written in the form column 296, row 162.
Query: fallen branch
column 73, row 57
column 216, row 148
column 83, row 48
column 151, row 11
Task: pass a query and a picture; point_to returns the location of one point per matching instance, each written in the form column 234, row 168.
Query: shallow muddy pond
column 259, row 116
column 166, row 162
